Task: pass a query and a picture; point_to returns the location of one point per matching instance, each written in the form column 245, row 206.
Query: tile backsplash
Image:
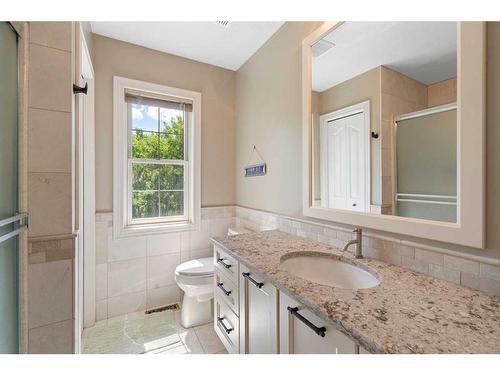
column 470, row 271
column 137, row 273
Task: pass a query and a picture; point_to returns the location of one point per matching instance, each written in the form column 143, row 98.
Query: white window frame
column 123, row 224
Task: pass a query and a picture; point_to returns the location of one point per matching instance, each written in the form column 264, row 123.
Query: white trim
column 469, row 229
column 364, row 108
column 85, row 246
column 121, row 226
column 445, row 203
column 427, row 112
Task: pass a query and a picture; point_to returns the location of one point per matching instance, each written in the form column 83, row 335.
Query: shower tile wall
column 51, row 240
column 137, row 273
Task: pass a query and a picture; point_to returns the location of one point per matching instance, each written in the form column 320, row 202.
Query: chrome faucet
column 358, row 253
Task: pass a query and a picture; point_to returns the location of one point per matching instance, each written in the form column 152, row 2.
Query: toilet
column 196, row 278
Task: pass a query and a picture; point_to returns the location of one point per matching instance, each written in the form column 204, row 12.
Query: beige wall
column 443, row 92
column 269, row 115
column 217, row 85
column 269, row 109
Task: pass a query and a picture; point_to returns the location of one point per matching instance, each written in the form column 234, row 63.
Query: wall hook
column 80, row 90
column 374, row 135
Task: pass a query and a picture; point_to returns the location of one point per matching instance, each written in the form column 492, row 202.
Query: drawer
column 227, row 326
column 226, row 264
column 227, row 291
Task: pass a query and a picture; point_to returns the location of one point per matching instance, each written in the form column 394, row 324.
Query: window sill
column 138, row 230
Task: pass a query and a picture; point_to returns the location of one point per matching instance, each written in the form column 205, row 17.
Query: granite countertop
column 407, row 312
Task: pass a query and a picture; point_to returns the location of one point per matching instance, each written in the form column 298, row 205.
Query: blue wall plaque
column 255, row 170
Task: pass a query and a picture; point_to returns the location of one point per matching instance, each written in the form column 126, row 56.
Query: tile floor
column 196, row 340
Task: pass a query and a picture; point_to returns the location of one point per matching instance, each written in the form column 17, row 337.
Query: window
column 157, row 148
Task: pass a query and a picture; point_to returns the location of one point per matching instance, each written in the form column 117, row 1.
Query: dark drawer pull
column 246, row 275
column 320, row 331
column 221, row 286
column 221, row 323
column 221, row 261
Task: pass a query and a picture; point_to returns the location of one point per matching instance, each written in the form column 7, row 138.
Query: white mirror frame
column 471, row 99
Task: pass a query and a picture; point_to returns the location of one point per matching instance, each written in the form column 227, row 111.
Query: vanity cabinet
column 245, row 308
column 253, row 317
column 258, row 314
column 302, row 332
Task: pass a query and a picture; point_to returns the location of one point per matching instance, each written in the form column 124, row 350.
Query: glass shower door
column 9, row 226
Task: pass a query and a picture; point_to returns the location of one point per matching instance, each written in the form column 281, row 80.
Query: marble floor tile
column 209, row 340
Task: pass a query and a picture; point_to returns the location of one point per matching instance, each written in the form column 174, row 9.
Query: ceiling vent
column 223, row 23
column 320, row 47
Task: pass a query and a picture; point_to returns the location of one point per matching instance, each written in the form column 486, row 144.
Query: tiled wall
column 50, row 296
column 472, row 272
column 137, row 273
column 51, row 242
column 50, row 128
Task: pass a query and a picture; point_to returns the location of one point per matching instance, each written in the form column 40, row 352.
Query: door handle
column 221, row 261
column 221, row 286
column 246, row 275
column 19, row 221
column 320, row 331
column 224, row 327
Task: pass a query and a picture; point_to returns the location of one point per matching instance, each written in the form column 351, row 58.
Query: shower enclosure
column 12, row 223
column 426, row 164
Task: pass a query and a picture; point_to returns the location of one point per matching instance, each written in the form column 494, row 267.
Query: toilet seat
column 194, row 280
column 196, row 268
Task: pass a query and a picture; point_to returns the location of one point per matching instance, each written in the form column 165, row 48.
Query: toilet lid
column 196, row 267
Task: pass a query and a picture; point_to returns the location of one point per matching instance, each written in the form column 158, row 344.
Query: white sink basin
column 329, row 271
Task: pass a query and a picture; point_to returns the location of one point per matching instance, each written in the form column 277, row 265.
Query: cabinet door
column 258, row 314
column 310, row 335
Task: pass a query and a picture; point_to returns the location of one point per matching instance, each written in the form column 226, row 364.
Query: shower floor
column 157, row 333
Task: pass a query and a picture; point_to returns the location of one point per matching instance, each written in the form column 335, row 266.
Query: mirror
column 384, row 119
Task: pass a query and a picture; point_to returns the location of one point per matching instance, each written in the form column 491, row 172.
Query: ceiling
column 425, row 51
column 209, row 42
